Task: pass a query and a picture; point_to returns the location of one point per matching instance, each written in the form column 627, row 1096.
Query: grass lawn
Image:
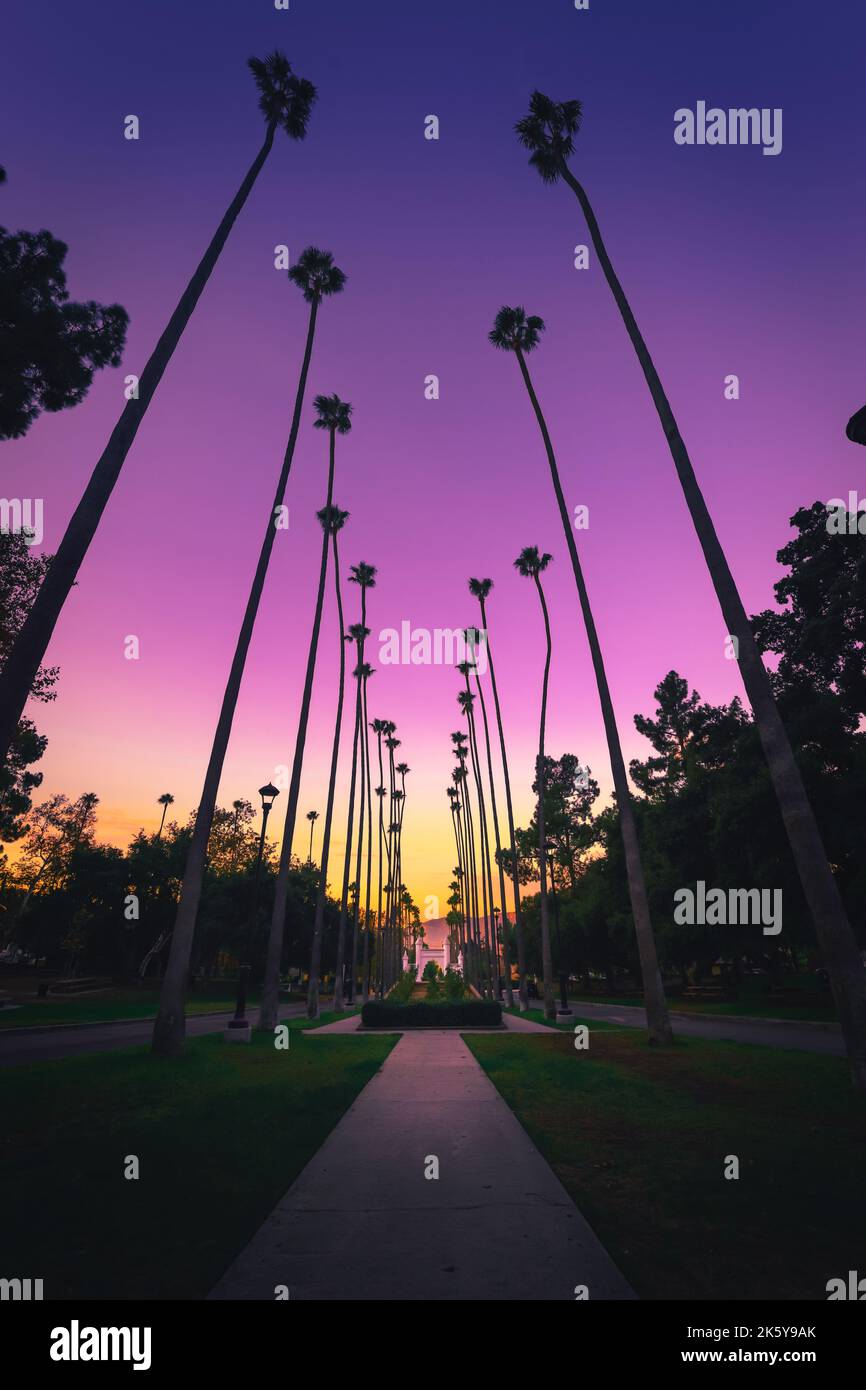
column 568, row 1025
column 119, row 1003
column 639, row 1137
column 747, row 1008
column 220, row 1134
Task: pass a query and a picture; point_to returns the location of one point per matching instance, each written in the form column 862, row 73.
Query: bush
column 454, row 986
column 402, row 991
column 469, row 1013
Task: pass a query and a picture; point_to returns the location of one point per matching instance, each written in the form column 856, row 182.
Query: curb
column 99, row 1023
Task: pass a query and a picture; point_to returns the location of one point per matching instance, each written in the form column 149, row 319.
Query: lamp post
column 240, row 1028
column 497, row 943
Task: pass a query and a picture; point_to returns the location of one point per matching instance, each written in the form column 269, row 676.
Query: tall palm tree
column 379, row 727
column 364, row 576
column 531, row 565
column 402, row 769
column 461, row 780
column 164, row 801
column 466, row 701
column 335, row 416
column 392, row 887
column 356, row 634
column 333, row 520
column 285, row 102
column 548, row 132
column 514, row 332
column 473, row 637
column 369, row 784
column 312, row 817
column 365, row 671
column 480, row 589
column 317, row 277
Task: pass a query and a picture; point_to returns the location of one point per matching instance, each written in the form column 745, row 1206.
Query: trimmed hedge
column 467, row 1013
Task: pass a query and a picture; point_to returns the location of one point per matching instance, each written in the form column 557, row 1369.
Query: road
column 49, row 1046
column 802, row 1037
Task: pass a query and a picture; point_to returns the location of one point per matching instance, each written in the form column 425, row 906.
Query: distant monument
column 436, row 946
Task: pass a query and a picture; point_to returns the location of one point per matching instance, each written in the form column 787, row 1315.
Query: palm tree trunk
column 359, row 861
column 366, row 987
column 546, row 958
column 318, row 926
column 270, row 986
column 506, row 956
column 161, row 823
column 312, row 828
column 339, row 1002
column 473, row 869
column 169, row 1028
column 484, row 844
column 28, row 650
column 518, row 924
column 833, row 929
column 658, row 1022
column 381, row 951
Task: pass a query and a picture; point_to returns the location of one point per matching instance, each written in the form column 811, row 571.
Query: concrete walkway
column 363, row 1222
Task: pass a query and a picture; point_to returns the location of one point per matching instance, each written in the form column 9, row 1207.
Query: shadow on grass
column 640, row 1137
column 220, row 1134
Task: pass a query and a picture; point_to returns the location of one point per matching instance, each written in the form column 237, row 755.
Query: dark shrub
column 468, row 1013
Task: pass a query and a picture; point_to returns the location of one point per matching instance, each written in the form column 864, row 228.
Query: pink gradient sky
column 734, row 263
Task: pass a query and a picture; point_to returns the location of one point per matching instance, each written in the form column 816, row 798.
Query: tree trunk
column 658, row 1023
column 837, row 941
column 366, row 986
column 270, row 986
column 28, row 650
column 169, row 1028
column 506, row 956
column 518, row 925
column 546, row 959
column 339, row 1001
column 318, row 927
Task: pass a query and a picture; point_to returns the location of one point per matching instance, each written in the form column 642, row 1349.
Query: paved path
column 803, row 1037
column 51, row 1046
column 362, row 1221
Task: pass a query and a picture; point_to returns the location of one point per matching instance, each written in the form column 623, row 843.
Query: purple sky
column 734, row 262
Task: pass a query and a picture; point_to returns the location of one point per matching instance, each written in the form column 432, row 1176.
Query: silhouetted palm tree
column 513, row 331
column 333, row 520
column 286, row 102
column 365, row 671
column 317, row 277
column 549, row 131
column 466, row 701
column 312, row 817
column 332, row 415
column 480, row 589
column 855, row 430
column 164, row 801
column 364, row 576
column 531, row 565
column 474, row 638
column 379, row 726
column 356, row 634
column 368, row 779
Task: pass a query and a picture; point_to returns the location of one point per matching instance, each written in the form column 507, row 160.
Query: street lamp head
column 269, row 794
